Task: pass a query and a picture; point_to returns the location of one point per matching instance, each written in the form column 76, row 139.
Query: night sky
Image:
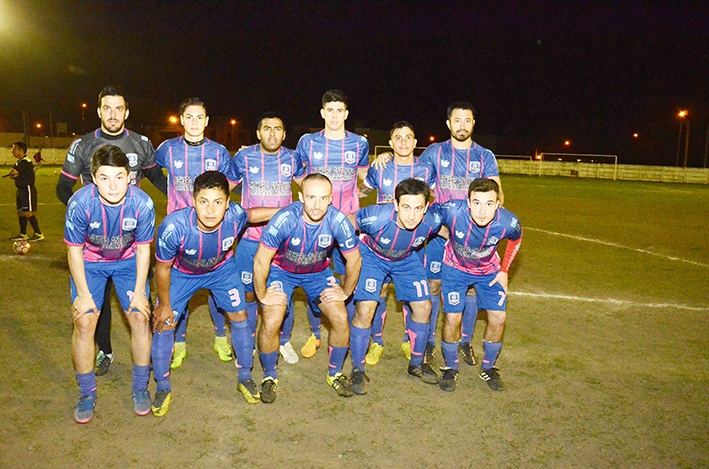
column 593, row 73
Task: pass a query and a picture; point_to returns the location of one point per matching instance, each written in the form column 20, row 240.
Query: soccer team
column 258, row 252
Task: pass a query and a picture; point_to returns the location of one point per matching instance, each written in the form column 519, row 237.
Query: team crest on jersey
column 95, row 225
column 474, row 166
column 387, row 182
column 324, row 240
column 129, row 224
column 445, row 163
column 247, row 278
column 419, row 241
column 295, row 241
column 453, row 298
column 350, row 157
column 190, row 252
column 286, row 170
column 493, row 240
column 435, row 267
column 132, row 159
column 278, row 284
column 371, row 285
column 179, row 164
column 210, row 165
column 227, row 242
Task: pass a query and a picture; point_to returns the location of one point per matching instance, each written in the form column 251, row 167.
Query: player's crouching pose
column 470, row 259
column 109, row 228
column 294, row 251
column 391, row 232
column 194, row 251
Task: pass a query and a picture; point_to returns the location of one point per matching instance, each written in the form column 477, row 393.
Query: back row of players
column 110, row 225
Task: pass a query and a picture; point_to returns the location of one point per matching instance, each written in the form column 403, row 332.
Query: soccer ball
column 22, row 246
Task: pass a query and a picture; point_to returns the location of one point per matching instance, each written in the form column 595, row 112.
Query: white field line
column 608, row 300
column 33, row 257
column 616, row 245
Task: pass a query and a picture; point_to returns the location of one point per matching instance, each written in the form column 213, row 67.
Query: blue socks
column 161, row 353
column 450, row 354
column 359, row 341
column 490, row 352
column 252, row 318
column 337, row 358
column 87, row 383
column 141, row 376
column 418, row 332
column 314, row 321
column 269, row 363
column 380, row 316
column 243, row 342
column 470, row 315
column 287, row 325
column 433, row 322
column 218, row 318
column 181, row 328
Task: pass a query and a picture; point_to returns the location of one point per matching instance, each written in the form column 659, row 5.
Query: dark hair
column 484, row 185
column 191, row 102
column 109, row 155
column 334, row 96
column 211, row 180
column 268, row 115
column 315, row 177
column 400, row 125
column 411, row 187
column 22, row 146
column 464, row 105
column 111, row 91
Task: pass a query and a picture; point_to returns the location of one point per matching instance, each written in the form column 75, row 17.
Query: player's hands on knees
column 274, row 297
column 83, row 305
column 500, row 278
column 140, row 305
column 332, row 293
column 380, row 162
column 162, row 316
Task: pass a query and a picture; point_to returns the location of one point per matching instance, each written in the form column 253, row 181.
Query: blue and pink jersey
column 193, row 250
column 302, row 247
column 381, row 233
column 266, row 180
column 385, row 180
column 455, row 169
column 471, row 248
column 184, row 162
column 109, row 232
column 339, row 161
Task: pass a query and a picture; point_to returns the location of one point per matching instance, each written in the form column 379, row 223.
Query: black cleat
column 268, row 390
column 429, row 353
column 341, row 384
column 424, row 372
column 448, row 380
column 465, row 350
column 492, row 378
column 358, row 381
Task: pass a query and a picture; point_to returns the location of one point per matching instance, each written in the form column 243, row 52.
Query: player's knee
column 434, row 287
column 420, row 310
column 496, row 317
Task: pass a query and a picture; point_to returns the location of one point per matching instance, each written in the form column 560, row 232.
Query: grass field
column 606, row 358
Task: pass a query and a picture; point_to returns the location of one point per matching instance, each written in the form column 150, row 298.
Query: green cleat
column 248, row 389
column 179, row 353
column 161, row 404
column 340, row 384
column 374, row 354
column 223, row 349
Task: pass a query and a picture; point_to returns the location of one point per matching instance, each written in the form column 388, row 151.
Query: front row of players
column 110, row 225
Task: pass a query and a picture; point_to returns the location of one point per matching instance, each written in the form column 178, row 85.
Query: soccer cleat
column 268, row 390
column 310, row 347
column 492, row 377
column 84, row 409
column 465, row 350
column 358, row 381
column 247, row 388
column 179, row 353
column 223, row 349
column 375, row 353
column 406, row 350
column 161, row 404
column 429, row 353
column 288, row 353
column 424, row 372
column 340, row 384
column 448, row 380
column 36, row 237
column 141, row 402
column 103, row 362
column 19, row 237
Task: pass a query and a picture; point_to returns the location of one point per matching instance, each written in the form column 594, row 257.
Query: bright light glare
column 173, row 119
column 682, row 113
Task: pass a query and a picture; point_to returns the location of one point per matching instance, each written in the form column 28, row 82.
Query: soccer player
column 266, row 171
column 384, row 180
column 113, row 112
column 185, row 158
column 456, row 162
column 294, row 251
column 194, row 251
column 26, row 198
column 343, row 157
column 390, row 233
column 109, row 227
column 476, row 228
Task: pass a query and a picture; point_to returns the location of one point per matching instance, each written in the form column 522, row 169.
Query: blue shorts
column 408, row 275
column 455, row 286
column 123, row 273
column 244, row 254
column 434, row 257
column 223, row 283
column 313, row 284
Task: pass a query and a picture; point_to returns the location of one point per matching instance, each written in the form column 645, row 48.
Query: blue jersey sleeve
column 344, row 233
column 227, row 166
column 76, row 223
column 161, row 154
column 363, row 154
column 372, row 178
column 277, row 229
column 298, row 166
column 145, row 232
column 489, row 165
column 169, row 238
